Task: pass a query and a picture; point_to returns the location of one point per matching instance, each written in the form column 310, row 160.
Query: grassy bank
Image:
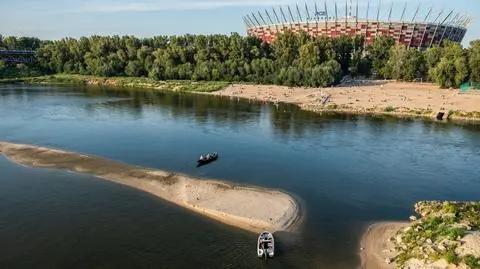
column 131, row 82
column 388, row 111
column 441, row 233
column 406, row 113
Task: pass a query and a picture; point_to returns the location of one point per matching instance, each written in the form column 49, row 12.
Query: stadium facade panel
column 420, row 34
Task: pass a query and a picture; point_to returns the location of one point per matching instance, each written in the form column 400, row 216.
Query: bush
column 451, row 257
column 471, row 261
column 389, row 109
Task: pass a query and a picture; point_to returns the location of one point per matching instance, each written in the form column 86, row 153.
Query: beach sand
column 226, row 202
column 368, row 96
column 376, row 246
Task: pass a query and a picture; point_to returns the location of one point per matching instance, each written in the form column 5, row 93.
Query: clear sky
column 55, row 19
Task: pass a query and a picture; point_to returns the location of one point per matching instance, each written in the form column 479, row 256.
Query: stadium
column 419, row 30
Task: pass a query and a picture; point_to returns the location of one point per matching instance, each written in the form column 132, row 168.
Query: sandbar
column 247, row 207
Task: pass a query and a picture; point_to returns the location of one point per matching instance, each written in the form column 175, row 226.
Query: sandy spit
column 240, row 206
column 365, row 97
column 376, row 248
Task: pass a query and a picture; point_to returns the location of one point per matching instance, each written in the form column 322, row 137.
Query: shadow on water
column 286, row 242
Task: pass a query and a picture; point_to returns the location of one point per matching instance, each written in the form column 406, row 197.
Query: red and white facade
column 412, row 34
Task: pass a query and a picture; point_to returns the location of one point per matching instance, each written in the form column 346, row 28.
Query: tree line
column 293, row 59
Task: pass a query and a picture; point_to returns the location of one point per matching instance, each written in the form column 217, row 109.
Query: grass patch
column 389, row 109
column 131, row 82
column 451, row 257
column 332, row 106
column 473, row 262
column 464, row 114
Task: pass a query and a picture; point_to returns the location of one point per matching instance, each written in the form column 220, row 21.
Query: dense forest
column 294, row 59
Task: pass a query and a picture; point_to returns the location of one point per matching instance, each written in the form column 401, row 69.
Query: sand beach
column 368, row 97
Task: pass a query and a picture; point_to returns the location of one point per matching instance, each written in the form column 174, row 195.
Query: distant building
column 417, row 31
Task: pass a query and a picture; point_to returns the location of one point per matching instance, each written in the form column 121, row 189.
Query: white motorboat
column 265, row 245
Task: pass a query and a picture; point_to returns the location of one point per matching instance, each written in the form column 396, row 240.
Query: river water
column 348, row 171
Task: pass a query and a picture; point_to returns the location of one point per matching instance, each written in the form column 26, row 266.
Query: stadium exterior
column 418, row 31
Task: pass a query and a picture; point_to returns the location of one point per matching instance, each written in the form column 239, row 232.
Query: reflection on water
column 348, row 170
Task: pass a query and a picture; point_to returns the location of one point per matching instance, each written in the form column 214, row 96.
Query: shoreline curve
column 375, row 243
column 232, row 204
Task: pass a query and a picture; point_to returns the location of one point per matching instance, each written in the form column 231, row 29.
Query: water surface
column 348, row 170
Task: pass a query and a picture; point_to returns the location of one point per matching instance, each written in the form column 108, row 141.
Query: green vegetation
column 19, row 71
column 466, row 115
column 436, row 235
column 472, row 262
column 131, row 82
column 294, row 59
column 389, row 109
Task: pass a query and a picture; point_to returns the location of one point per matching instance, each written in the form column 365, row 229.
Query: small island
column 447, row 235
column 232, row 204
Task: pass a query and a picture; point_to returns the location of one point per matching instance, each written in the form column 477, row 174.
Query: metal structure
column 421, row 31
column 17, row 56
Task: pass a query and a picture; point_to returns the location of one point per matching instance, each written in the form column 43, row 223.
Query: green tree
column 405, row 64
column 452, row 69
column 343, row 46
column 433, row 57
column 309, row 55
column 134, row 69
column 474, row 61
column 415, row 65
column 395, row 65
column 379, row 52
column 294, row 59
column 286, row 49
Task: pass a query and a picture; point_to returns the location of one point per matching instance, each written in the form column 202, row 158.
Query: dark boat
column 207, row 158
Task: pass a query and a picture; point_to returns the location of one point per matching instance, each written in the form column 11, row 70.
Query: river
column 348, row 171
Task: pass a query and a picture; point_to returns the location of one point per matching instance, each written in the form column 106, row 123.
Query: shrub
column 451, row 257
column 471, row 261
column 389, row 109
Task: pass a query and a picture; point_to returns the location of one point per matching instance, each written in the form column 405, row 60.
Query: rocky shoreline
column 446, row 235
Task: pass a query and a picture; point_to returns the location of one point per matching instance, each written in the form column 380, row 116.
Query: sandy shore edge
column 377, row 98
column 229, row 203
column 375, row 242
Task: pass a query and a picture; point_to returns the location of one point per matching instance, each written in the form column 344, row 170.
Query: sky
column 56, row 19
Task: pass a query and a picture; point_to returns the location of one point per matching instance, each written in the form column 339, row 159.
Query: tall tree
column 474, row 61
column 379, row 53
column 452, row 69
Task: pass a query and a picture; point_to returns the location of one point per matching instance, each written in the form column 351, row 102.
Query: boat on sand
column 266, row 245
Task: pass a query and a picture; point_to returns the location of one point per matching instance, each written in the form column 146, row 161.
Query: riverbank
column 447, row 236
column 376, row 248
column 130, row 82
column 226, row 202
column 367, row 97
column 400, row 99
